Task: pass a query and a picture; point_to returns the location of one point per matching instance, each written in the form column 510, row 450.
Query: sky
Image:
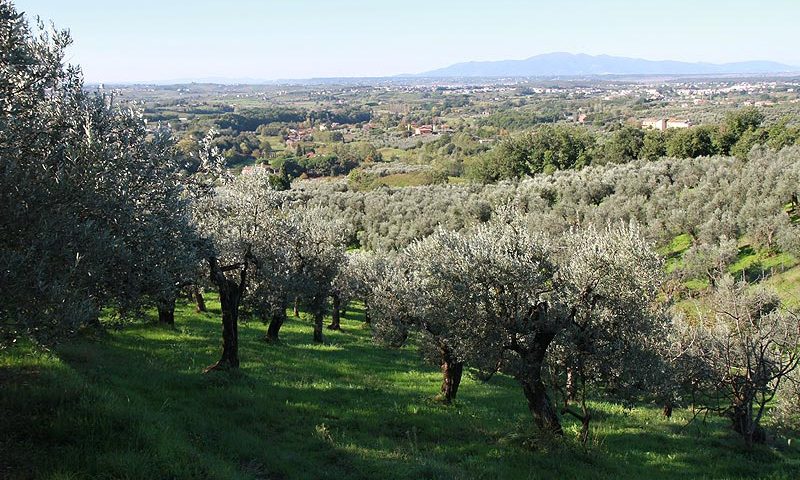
column 162, row 40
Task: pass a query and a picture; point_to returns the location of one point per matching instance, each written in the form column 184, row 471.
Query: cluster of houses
column 298, row 136
column 428, row 129
column 665, row 123
column 259, row 168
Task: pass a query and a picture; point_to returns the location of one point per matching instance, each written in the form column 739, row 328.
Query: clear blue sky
column 149, row 40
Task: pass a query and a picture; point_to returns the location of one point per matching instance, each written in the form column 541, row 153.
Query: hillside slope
column 135, row 405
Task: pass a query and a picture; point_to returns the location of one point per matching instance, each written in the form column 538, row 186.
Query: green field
column 134, row 404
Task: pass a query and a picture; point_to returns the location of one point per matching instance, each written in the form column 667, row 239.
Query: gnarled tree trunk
column 335, row 319
column 230, row 329
column 199, row 300
column 275, row 324
column 539, row 403
column 743, row 423
column 166, row 311
column 230, row 295
column 319, row 317
column 451, row 376
column 541, row 406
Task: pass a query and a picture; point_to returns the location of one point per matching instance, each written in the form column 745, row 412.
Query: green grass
column 787, row 284
column 133, row 403
column 674, row 250
column 389, row 152
column 756, row 265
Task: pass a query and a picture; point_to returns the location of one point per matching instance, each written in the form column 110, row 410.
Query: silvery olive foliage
column 418, row 292
column 714, row 200
column 499, row 295
column 237, row 217
column 709, row 261
column 614, row 338
column 734, row 359
column 358, row 276
column 318, row 242
column 93, row 214
column 274, row 281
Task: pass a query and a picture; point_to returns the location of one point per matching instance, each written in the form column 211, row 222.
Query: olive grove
column 501, row 295
column 93, row 214
column 565, row 280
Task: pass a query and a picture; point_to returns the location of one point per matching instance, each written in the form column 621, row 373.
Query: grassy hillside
column 776, row 270
column 134, row 404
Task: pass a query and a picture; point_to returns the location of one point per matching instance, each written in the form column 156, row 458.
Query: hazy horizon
column 159, row 41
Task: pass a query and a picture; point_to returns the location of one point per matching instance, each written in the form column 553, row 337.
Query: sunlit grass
column 134, row 404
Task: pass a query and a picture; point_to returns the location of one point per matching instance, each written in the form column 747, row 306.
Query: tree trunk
column 296, row 310
column 366, row 313
column 275, row 324
column 585, row 419
column 335, row 320
column 319, row 317
column 230, row 330
column 668, row 410
column 451, row 378
column 743, row 424
column 571, row 388
column 166, row 311
column 541, row 407
column 230, row 295
column 199, row 300
column 533, row 387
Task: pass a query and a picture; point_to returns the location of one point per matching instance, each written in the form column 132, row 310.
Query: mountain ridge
column 568, row 64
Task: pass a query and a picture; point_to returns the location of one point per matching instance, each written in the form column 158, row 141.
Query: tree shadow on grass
column 136, row 405
column 711, row 451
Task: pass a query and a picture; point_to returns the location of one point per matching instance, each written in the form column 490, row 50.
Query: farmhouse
column 259, row 168
column 665, row 123
column 423, row 130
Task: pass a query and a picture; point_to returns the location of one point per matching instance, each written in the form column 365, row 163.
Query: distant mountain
column 568, row 64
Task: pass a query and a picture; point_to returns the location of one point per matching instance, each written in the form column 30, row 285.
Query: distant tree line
column 250, row 119
column 557, row 147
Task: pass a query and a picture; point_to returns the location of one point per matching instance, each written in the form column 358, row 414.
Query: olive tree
column 234, row 220
column 590, row 290
column 609, row 280
column 501, row 294
column 275, row 281
column 416, row 293
column 90, row 199
column 347, row 285
column 364, row 272
column 317, row 242
column 273, row 286
column 708, row 261
column 307, row 252
column 736, row 357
